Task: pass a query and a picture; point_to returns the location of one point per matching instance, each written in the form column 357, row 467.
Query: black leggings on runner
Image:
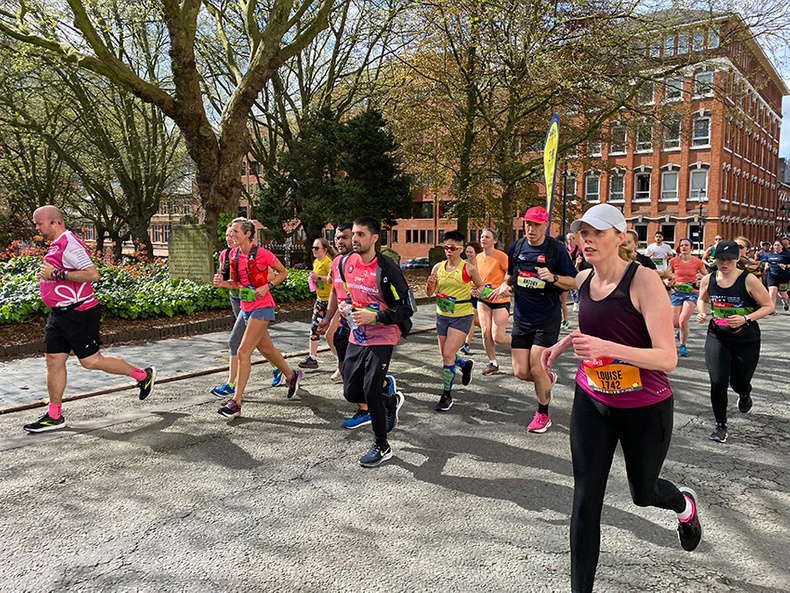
column 644, row 434
column 729, row 363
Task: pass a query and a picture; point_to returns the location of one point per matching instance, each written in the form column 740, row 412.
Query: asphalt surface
column 166, row 495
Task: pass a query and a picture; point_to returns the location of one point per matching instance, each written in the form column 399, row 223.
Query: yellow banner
column 550, row 160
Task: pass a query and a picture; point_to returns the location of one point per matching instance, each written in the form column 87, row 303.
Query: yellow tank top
column 453, row 291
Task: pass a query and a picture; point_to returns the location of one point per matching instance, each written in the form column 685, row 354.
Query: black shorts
column 73, row 330
column 341, row 336
column 776, row 281
column 493, row 306
column 544, row 334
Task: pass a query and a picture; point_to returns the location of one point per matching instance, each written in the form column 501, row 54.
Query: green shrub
column 130, row 291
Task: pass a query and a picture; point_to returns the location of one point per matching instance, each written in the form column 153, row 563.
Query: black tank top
column 734, row 300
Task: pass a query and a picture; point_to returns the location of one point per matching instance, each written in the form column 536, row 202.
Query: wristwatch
column 747, row 319
column 271, row 286
column 556, row 279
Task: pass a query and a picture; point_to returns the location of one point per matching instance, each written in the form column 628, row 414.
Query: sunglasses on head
column 452, row 247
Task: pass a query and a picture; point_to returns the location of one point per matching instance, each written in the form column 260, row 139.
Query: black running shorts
column 544, row 334
column 73, row 330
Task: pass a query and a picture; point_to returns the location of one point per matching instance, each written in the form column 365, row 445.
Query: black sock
column 543, row 408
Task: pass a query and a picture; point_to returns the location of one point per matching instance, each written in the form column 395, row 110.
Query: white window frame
column 620, row 195
column 647, row 87
column 671, row 143
column 683, row 43
column 594, row 197
column 714, row 38
column 621, row 148
column 694, row 193
column 644, row 145
column 677, row 91
column 669, row 195
column 698, row 40
column 643, row 195
column 700, row 141
column 703, row 89
column 669, row 46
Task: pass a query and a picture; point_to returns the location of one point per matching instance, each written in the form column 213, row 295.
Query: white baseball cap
column 601, row 217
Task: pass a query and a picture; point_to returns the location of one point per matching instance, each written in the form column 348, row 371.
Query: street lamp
column 701, row 194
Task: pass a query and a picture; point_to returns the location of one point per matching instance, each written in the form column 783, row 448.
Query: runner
column 223, row 273
column 66, row 278
column 574, row 251
column 778, row 273
column 732, row 347
column 470, row 251
column 688, row 271
column 494, row 311
column 709, row 257
column 250, row 269
column 622, row 395
column 539, row 269
column 745, row 261
column 335, row 326
column 631, row 243
column 323, row 253
column 659, row 252
column 451, row 281
column 378, row 310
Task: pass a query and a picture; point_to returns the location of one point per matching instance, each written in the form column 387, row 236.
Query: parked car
column 411, row 264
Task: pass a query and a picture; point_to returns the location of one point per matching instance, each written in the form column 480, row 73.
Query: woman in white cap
column 626, row 346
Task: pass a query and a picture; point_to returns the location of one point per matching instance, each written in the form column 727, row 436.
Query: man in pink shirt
column 65, row 282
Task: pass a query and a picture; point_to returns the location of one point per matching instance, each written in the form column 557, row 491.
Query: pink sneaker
column 540, row 423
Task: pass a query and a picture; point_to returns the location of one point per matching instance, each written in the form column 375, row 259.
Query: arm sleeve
column 402, row 308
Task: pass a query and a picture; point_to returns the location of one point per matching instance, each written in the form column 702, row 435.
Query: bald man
column 65, row 282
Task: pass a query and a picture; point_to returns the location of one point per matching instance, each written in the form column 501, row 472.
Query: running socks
column 138, row 374
column 54, row 410
column 688, row 513
column 448, row 376
column 543, row 408
column 459, row 362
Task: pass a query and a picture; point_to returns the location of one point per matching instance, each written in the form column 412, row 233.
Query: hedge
column 130, row 291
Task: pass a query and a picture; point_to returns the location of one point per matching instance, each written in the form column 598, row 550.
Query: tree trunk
column 505, row 224
column 464, row 170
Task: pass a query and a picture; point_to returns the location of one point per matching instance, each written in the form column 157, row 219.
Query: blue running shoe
column 278, row 378
column 391, row 387
column 361, row 418
column 224, row 391
column 682, row 351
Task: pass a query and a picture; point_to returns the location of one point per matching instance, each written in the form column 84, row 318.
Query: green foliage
column 132, row 291
column 222, row 224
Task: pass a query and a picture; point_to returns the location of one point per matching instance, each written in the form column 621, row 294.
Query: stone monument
column 190, row 253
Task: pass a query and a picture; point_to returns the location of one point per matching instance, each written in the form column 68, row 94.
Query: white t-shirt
column 660, row 254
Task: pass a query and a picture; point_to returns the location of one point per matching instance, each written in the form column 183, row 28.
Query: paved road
column 166, row 495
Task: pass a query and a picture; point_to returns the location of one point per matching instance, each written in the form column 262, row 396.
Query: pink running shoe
column 540, row 423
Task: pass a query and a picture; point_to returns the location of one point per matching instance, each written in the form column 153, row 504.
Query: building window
column 422, row 237
column 673, row 89
column 698, row 184
column 672, row 133
column 655, row 49
column 430, row 236
column 701, row 130
column 618, row 139
column 713, row 38
column 423, row 210
column 441, row 235
column 641, row 234
column 644, row 137
column 408, row 236
column 669, row 186
column 683, row 43
column 669, row 46
column 591, row 186
column 668, row 230
column 594, row 145
column 642, row 186
column 645, row 95
column 570, row 187
column 394, row 235
column 616, row 188
column 703, row 83
column 473, row 235
column 698, row 40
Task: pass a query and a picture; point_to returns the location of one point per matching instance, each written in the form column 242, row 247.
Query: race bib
column 783, row 287
column 369, row 306
column 445, row 304
column 659, row 261
column 247, row 294
column 609, row 375
column 530, row 280
column 684, row 287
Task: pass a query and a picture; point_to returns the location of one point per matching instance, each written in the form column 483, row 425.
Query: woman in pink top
column 688, row 271
column 254, row 281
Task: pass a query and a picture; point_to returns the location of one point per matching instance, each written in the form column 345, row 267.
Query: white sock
column 494, row 362
column 688, row 512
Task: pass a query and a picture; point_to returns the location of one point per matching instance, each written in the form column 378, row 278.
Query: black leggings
column 363, row 372
column 644, row 434
column 729, row 363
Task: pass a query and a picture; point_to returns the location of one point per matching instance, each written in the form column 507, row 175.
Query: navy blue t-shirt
column 536, row 301
column 774, row 259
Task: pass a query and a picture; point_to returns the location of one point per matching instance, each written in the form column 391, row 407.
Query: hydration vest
column 257, row 276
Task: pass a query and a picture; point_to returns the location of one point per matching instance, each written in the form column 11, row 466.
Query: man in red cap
column 539, row 270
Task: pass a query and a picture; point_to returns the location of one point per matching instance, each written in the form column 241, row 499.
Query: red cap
column 536, row 214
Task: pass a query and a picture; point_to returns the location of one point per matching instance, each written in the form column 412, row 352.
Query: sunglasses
column 452, row 247
column 316, row 248
column 741, row 246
